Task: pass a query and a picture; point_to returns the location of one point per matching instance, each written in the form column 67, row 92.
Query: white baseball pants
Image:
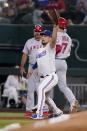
column 46, row 84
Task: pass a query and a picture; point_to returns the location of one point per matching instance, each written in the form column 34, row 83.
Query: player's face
column 45, row 39
column 37, row 35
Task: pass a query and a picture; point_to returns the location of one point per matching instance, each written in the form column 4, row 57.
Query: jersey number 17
column 64, row 46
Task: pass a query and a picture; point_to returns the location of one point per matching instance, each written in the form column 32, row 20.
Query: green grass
column 6, row 121
column 12, row 114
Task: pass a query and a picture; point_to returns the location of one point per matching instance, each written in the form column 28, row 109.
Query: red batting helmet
column 38, row 28
column 62, row 22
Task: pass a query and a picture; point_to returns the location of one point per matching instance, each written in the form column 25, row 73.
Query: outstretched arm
column 54, row 15
column 54, row 36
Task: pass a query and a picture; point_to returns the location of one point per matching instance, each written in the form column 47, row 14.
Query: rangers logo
column 41, row 54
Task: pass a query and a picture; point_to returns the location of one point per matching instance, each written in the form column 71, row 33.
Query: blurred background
column 17, row 19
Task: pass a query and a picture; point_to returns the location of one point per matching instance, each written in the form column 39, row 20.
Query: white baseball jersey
column 46, row 60
column 65, row 42
column 30, row 48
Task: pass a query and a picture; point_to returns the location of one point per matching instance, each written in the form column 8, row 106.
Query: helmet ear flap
column 38, row 28
column 62, row 22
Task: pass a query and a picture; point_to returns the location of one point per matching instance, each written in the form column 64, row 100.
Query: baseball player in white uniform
column 46, row 70
column 63, row 49
column 30, row 50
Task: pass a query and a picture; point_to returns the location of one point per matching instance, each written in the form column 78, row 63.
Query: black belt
column 43, row 76
column 61, row 58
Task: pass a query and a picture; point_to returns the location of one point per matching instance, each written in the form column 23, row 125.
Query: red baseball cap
column 38, row 28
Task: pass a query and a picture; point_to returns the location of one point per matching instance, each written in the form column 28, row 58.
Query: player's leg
column 46, row 85
column 45, row 108
column 55, row 111
column 64, row 88
column 61, row 72
column 30, row 98
column 30, row 94
column 32, row 85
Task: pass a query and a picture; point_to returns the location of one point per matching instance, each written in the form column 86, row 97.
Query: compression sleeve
column 58, row 49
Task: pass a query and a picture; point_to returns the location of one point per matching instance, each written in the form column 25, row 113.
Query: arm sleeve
column 58, row 45
column 58, row 49
column 34, row 66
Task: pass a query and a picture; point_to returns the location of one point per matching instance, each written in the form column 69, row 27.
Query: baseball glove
column 53, row 15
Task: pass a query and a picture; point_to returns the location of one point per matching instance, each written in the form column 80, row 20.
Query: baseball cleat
column 45, row 113
column 29, row 114
column 37, row 117
column 74, row 106
column 45, row 110
column 55, row 115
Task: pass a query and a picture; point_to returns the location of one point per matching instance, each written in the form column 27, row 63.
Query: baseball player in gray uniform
column 30, row 50
column 63, row 49
column 46, row 69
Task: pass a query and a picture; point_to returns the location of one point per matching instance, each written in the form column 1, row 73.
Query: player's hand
column 22, row 70
column 30, row 71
